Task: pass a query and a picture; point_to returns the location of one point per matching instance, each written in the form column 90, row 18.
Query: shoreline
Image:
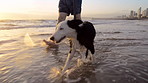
column 119, row 19
column 84, row 18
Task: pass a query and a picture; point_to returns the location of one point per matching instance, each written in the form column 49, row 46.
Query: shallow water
column 121, row 52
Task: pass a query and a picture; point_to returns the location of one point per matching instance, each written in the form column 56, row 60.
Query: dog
column 81, row 35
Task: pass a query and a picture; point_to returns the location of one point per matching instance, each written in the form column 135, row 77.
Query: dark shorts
column 68, row 7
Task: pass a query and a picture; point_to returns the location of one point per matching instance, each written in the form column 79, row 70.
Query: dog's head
column 65, row 29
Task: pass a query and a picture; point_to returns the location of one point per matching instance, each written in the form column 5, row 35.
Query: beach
column 121, row 50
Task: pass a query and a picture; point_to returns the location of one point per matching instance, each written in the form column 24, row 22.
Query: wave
column 20, row 27
column 18, row 24
column 6, row 41
column 43, row 34
column 8, row 25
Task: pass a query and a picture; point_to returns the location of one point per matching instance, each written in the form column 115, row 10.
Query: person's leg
column 62, row 17
column 76, row 9
column 78, row 16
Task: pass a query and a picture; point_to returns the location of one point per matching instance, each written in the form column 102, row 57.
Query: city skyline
column 43, row 9
column 139, row 14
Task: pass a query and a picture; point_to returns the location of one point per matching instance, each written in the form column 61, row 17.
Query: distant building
column 147, row 12
column 131, row 14
column 135, row 14
column 139, row 13
column 144, row 13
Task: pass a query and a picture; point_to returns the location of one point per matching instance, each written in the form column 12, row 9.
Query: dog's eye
column 61, row 28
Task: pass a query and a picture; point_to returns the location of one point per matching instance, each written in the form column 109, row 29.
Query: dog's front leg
column 67, row 63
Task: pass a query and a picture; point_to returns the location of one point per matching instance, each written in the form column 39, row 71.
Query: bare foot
column 49, row 43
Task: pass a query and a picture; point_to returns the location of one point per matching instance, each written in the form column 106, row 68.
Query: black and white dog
column 82, row 36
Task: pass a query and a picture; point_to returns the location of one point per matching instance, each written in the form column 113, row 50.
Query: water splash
column 54, row 72
column 28, row 41
column 57, row 71
column 42, row 43
column 79, row 62
column 55, row 75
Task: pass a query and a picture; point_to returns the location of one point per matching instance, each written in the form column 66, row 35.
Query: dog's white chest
column 77, row 45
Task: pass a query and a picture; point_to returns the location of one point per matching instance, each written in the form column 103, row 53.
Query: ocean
column 121, row 50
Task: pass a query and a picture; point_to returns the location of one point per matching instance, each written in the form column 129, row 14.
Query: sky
column 48, row 9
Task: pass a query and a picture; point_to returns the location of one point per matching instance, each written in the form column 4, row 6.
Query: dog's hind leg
column 93, row 59
column 67, row 63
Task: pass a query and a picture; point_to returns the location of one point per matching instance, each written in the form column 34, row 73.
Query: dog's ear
column 74, row 23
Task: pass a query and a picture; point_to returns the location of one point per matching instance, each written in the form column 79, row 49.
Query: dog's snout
column 52, row 38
